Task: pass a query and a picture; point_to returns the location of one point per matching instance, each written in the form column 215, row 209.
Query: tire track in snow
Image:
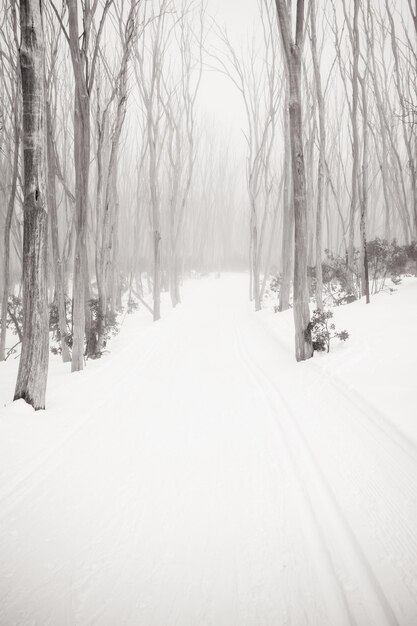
column 310, row 520
column 376, row 418
column 397, row 539
column 313, row 475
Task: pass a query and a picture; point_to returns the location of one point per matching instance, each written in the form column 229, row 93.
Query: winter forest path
column 214, row 482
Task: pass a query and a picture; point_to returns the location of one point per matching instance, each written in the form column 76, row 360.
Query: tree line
column 114, row 185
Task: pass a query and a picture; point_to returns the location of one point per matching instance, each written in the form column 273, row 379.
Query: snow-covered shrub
column 323, row 331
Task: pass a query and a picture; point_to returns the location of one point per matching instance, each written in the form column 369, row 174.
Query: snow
column 198, row 475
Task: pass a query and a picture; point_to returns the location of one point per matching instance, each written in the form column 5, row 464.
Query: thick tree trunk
column 33, row 365
column 59, row 296
column 293, row 52
column 303, row 343
column 82, row 163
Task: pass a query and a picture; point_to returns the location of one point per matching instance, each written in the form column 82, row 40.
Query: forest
column 198, row 196
column 130, row 190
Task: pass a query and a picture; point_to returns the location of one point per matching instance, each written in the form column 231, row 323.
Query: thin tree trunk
column 7, row 228
column 364, row 199
column 322, row 158
column 33, row 365
column 380, row 109
column 288, row 223
column 355, row 150
column 59, row 296
column 155, row 224
column 82, row 166
column 255, row 257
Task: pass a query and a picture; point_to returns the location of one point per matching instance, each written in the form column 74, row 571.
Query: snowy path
column 215, row 482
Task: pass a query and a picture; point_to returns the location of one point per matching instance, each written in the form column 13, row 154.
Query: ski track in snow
column 202, row 477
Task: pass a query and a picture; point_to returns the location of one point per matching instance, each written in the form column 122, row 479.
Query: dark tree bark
column 33, row 365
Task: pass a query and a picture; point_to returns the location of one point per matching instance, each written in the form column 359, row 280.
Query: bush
column 387, row 259
column 411, row 251
column 322, row 331
column 132, row 305
column 107, row 324
column 15, row 315
column 54, row 327
column 275, row 283
column 335, row 277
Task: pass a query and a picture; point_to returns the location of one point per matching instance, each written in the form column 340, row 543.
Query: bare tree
column 353, row 30
column 33, row 365
column 293, row 54
column 364, row 194
column 287, row 248
column 59, row 295
column 107, row 211
column 14, row 98
column 84, row 75
column 149, row 80
column 259, row 87
column 322, row 156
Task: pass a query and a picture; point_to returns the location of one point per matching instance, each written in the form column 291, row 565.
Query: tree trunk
column 355, row 151
column 82, row 166
column 322, row 159
column 155, row 224
column 82, row 162
column 293, row 52
column 33, row 365
column 303, row 343
column 255, row 258
column 364, row 199
column 7, row 228
column 288, row 223
column 59, row 296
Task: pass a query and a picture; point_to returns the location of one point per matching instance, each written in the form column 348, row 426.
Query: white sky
column 219, row 99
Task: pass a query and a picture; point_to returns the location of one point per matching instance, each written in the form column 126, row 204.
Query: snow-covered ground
column 199, row 476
